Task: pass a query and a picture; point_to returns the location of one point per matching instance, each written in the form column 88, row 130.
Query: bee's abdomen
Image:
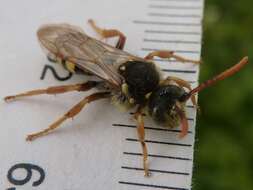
column 141, row 78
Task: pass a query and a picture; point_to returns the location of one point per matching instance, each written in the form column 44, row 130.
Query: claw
column 30, row 137
column 9, row 98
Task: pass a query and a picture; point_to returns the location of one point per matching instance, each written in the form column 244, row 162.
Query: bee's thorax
column 141, row 79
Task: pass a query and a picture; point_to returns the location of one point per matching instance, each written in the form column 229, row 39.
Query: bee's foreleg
column 183, row 119
column 170, row 54
column 55, row 90
column 141, row 135
column 70, row 114
column 109, row 33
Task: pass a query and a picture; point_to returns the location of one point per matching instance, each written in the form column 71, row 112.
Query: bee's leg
column 109, row 34
column 70, row 114
column 170, row 54
column 141, row 135
column 181, row 83
column 183, row 119
column 55, row 90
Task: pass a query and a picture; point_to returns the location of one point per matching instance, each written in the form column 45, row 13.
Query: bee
column 129, row 81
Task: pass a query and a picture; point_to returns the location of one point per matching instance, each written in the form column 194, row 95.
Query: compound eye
column 183, row 97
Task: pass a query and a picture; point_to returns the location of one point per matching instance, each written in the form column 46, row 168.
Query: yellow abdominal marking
column 67, row 64
column 70, row 66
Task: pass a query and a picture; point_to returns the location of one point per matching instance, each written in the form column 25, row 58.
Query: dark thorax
column 141, row 78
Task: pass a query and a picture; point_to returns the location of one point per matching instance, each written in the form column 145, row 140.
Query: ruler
column 173, row 25
column 99, row 148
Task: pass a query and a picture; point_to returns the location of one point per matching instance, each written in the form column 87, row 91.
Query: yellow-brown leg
column 170, row 54
column 181, row 83
column 141, row 135
column 183, row 119
column 70, row 114
column 55, row 90
column 109, row 34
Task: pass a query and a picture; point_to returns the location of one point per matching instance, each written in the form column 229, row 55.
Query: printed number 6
column 28, row 168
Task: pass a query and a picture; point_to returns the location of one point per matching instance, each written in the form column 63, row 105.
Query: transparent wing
column 87, row 53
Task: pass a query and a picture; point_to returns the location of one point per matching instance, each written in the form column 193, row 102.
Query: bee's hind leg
column 109, row 33
column 70, row 114
column 141, row 135
column 55, row 90
column 170, row 54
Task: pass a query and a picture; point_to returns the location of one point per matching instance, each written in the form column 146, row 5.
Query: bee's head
column 163, row 104
column 166, row 103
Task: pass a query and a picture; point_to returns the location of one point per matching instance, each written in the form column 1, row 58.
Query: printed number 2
column 28, row 167
column 56, row 76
